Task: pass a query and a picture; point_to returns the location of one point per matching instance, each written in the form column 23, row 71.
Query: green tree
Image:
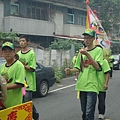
column 9, row 36
column 108, row 13
column 65, row 44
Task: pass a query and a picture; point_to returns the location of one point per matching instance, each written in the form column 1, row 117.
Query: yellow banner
column 19, row 112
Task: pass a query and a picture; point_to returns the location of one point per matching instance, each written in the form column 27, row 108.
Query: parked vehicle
column 116, row 63
column 45, row 78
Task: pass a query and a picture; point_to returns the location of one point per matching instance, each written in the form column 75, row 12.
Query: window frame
column 70, row 22
column 38, row 9
column 80, row 21
column 17, row 13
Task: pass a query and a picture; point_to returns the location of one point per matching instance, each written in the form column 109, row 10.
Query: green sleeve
column 32, row 62
column 78, row 60
column 1, row 67
column 105, row 66
column 20, row 74
column 99, row 56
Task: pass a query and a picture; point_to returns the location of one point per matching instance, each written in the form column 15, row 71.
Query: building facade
column 43, row 20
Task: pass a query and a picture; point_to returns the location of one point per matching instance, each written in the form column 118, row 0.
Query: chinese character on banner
column 19, row 112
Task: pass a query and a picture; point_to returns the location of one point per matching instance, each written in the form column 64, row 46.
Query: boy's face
column 23, row 42
column 8, row 53
column 76, row 54
column 88, row 40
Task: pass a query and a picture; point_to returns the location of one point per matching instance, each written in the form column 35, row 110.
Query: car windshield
column 116, row 57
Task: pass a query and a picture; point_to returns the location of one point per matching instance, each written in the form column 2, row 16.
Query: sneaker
column 101, row 116
column 75, row 79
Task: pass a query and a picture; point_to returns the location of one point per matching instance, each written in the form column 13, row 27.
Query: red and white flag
column 93, row 23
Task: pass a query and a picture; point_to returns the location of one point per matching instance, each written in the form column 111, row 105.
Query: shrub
column 58, row 74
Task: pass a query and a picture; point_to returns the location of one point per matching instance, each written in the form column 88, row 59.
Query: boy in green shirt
column 111, row 60
column 13, row 71
column 28, row 58
column 73, row 64
column 87, row 84
column 103, row 78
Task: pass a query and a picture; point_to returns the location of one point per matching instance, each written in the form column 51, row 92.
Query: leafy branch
column 9, row 36
column 65, row 44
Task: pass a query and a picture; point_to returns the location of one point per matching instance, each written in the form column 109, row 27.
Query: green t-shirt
column 102, row 76
column 29, row 58
column 74, row 60
column 87, row 80
column 13, row 74
column 111, row 60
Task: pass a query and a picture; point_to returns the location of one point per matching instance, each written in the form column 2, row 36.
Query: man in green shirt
column 28, row 58
column 87, row 84
column 13, row 71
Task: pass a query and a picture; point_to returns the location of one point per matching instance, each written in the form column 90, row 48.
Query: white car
column 116, row 63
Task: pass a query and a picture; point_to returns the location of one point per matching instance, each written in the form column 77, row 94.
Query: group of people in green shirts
column 94, row 73
column 18, row 70
column 92, row 80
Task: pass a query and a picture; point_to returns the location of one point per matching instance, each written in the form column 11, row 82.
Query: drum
column 3, row 92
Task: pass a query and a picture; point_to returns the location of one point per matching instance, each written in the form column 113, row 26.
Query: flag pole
column 87, row 18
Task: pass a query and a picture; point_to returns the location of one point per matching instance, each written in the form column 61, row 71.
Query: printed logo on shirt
column 87, row 63
column 5, row 75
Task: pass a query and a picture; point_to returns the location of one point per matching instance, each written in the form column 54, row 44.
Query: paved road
column 62, row 104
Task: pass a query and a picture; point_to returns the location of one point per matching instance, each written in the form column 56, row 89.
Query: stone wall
column 49, row 57
column 52, row 57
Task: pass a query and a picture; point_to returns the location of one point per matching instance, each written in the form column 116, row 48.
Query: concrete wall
column 52, row 57
column 42, row 28
column 58, row 21
column 49, row 57
column 28, row 26
column 73, row 30
column 71, row 3
column 39, row 27
column 1, row 16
